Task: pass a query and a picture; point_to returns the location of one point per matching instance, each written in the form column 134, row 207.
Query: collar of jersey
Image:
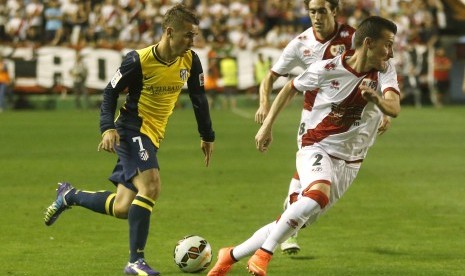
column 157, row 57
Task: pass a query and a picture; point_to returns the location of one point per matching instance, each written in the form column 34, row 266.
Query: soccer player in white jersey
column 344, row 102
column 324, row 40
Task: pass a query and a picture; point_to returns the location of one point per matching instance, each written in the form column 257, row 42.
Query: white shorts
column 313, row 164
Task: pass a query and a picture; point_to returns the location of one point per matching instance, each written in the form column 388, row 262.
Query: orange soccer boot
column 258, row 263
column 224, row 263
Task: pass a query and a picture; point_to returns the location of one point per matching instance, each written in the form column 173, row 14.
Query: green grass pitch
column 404, row 214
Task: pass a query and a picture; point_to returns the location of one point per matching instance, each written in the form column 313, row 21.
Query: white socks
column 290, row 222
column 271, row 235
column 251, row 245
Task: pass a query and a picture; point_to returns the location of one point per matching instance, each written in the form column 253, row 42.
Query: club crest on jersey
column 330, row 66
column 337, row 49
column 143, row 155
column 183, row 74
column 370, row 83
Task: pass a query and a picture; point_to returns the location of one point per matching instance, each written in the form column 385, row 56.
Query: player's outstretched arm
column 266, row 87
column 264, row 137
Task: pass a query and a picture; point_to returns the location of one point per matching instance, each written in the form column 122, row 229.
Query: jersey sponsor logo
column 341, row 115
column 116, row 77
column 183, row 74
column 161, row 90
column 201, row 79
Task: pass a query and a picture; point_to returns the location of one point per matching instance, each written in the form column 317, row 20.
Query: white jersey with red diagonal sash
column 306, row 48
column 335, row 116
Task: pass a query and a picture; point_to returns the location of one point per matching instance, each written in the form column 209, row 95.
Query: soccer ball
column 192, row 254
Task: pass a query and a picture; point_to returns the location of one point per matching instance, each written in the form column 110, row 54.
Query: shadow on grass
column 302, row 258
column 387, row 251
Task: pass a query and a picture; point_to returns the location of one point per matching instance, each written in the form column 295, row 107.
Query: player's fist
column 369, row 94
column 263, row 139
column 110, row 139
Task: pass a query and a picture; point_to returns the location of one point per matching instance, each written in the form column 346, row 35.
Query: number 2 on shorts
column 318, row 158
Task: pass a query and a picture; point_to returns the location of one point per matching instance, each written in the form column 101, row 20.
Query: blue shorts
column 136, row 152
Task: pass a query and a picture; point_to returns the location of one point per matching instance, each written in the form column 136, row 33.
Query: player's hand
column 207, row 149
column 263, row 139
column 261, row 113
column 369, row 94
column 110, row 139
column 384, row 125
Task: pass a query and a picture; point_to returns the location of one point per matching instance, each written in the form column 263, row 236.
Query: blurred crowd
column 240, row 24
column 244, row 23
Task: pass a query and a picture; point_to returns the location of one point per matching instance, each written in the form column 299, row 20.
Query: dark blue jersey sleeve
column 199, row 100
column 129, row 71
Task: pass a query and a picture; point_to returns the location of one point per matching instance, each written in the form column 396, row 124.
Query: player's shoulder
column 146, row 51
column 192, row 52
column 347, row 27
column 131, row 59
column 191, row 57
column 390, row 68
column 133, row 54
column 326, row 65
column 304, row 36
column 346, row 30
column 331, row 65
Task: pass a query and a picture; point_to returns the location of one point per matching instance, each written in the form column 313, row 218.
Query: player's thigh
column 148, row 183
column 313, row 165
column 344, row 175
column 137, row 154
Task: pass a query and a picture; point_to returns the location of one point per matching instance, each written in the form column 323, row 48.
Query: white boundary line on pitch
column 242, row 113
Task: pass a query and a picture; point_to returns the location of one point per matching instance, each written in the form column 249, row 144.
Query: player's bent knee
column 317, row 195
column 318, row 192
column 121, row 209
column 151, row 191
column 148, row 184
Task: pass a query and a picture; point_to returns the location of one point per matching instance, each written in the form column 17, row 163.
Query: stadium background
column 40, row 57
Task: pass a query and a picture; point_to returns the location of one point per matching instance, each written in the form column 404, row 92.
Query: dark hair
column 177, row 15
column 334, row 3
column 372, row 27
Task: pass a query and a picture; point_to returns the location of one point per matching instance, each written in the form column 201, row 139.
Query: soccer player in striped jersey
column 344, row 102
column 325, row 39
column 154, row 77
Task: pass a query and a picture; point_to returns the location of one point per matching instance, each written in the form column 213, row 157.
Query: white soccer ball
column 192, row 254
